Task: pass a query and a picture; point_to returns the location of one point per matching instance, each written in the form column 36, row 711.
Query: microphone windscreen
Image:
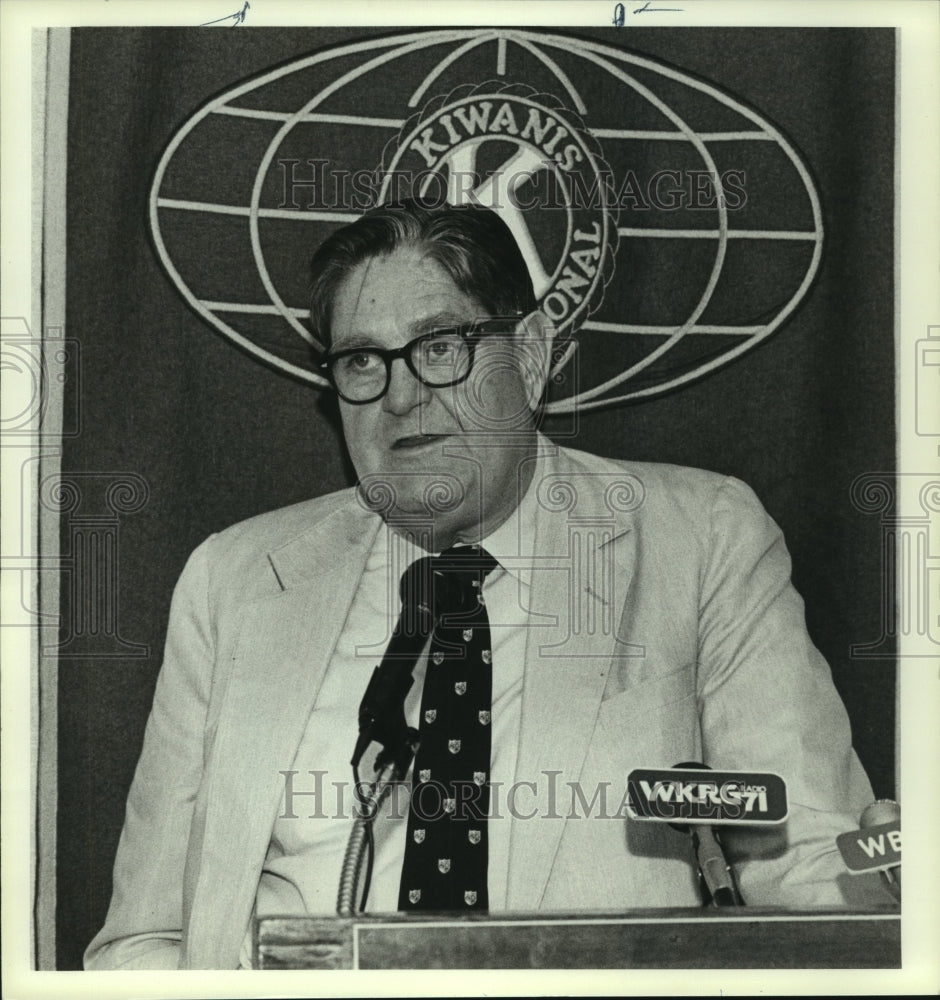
column 880, row 811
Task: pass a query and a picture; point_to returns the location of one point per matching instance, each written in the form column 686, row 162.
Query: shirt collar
column 512, row 544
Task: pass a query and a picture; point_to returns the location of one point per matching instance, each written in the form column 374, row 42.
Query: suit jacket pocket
column 651, row 724
column 652, row 693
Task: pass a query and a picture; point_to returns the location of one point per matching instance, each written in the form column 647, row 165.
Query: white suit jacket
column 687, row 643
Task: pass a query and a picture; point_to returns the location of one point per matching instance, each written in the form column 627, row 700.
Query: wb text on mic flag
column 872, row 849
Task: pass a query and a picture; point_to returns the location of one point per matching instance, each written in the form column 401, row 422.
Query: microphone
column 683, row 793
column 877, row 845
column 713, row 868
column 382, row 709
column 381, row 718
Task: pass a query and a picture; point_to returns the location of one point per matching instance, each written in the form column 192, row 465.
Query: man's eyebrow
column 445, row 318
column 352, row 341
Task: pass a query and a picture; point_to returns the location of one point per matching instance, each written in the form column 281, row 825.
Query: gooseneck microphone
column 382, row 709
column 382, row 720
column 693, row 799
column 382, row 717
column 713, row 867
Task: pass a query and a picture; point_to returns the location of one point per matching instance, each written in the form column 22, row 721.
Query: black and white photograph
column 471, row 498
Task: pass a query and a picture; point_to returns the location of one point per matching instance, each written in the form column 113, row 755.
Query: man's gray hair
column 471, row 244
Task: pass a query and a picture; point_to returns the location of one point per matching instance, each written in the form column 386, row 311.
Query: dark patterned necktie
column 446, row 851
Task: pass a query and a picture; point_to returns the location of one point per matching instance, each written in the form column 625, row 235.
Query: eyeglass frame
column 471, row 333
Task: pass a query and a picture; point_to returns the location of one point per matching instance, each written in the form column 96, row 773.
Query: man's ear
column 534, row 336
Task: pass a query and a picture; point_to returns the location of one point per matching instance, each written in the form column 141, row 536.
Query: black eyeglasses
column 438, row 359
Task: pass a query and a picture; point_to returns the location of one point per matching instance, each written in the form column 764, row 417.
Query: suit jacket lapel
column 285, row 644
column 583, row 569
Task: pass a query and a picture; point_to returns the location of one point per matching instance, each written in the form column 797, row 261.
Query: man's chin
column 412, row 494
column 430, row 527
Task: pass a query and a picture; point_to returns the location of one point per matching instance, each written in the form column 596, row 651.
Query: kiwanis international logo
column 667, row 226
column 514, row 150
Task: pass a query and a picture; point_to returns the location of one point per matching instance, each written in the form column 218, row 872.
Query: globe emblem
column 668, row 227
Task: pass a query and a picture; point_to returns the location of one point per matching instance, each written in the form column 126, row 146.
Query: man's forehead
column 390, row 274
column 397, row 290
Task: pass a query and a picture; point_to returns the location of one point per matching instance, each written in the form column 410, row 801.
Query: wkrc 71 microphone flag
column 691, row 795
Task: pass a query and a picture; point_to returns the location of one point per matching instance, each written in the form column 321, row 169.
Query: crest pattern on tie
column 445, row 865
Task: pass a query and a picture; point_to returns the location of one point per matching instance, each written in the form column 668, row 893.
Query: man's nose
column 404, row 390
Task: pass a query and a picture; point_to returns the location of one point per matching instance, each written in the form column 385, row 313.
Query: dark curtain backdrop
column 217, row 437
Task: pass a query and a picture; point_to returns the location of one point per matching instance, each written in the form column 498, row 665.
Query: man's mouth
column 418, row 440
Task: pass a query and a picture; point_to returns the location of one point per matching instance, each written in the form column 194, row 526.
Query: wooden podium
column 740, row 938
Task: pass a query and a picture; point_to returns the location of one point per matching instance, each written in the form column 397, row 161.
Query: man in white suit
column 641, row 615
